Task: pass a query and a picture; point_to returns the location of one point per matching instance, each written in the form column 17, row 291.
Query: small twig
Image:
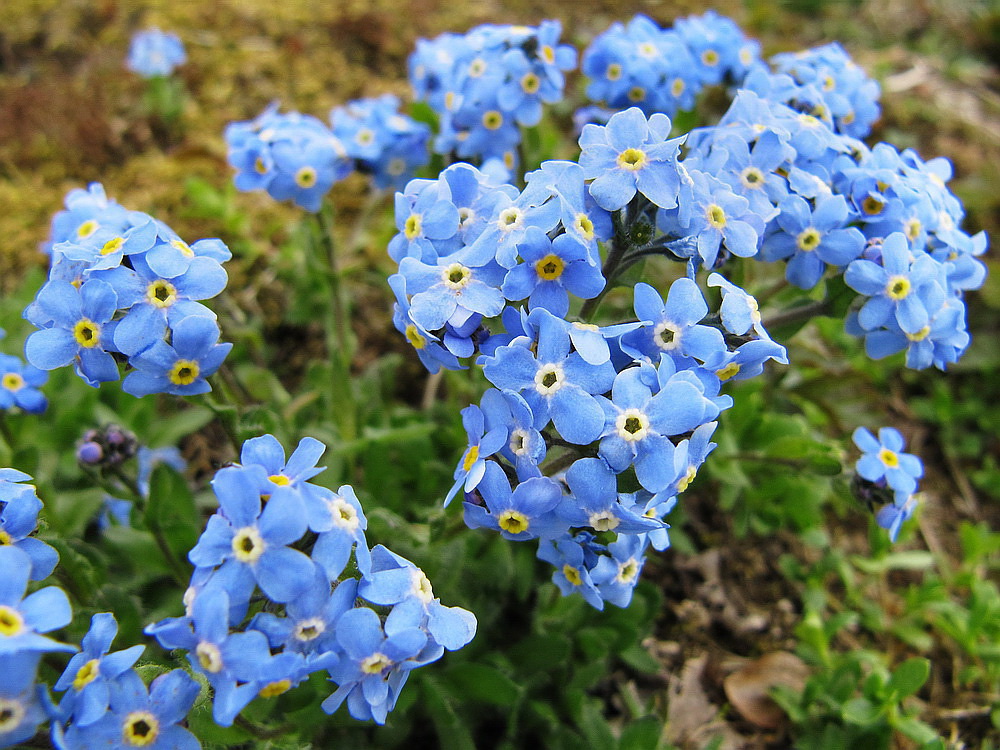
column 431, row 387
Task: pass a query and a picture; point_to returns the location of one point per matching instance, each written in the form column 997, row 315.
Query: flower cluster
column 663, row 70
column 823, row 82
column 124, row 287
column 154, row 53
column 883, row 218
column 298, row 157
column 292, row 540
column 589, row 432
column 383, row 143
column 884, row 468
column 487, row 83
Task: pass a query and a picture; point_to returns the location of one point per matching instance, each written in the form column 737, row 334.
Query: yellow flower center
column 530, row 83
column 513, row 522
column 309, row 630
column 913, row 227
column 872, row 205
column 677, row 87
column 272, row 689
column 716, row 216
column 161, row 293
column 627, row 570
column 604, row 520
column 248, row 545
column 344, row 514
column 808, row 240
column 11, row 622
column 12, row 381
column 184, row 372
column 710, row 57
column 547, row 54
column 414, row 337
column 492, row 119
column 86, row 674
column 11, row 714
column 471, row 456
column 259, row 166
column 549, row 379
column 636, row 94
column 456, row 276
column 728, row 371
column 87, row 333
column 898, row 287
column 889, row 458
column 112, row 246
column 140, row 729
column 5, row 538
column 375, row 663
column 632, row 159
column 752, row 178
column 184, row 248
column 682, row 485
column 614, row 72
column 413, row 226
column 305, row 178
column 919, row 335
column 572, row 574
column 364, row 136
column 632, row 425
column 477, row 67
column 209, row 657
column 584, row 226
column 87, row 228
column 550, row 267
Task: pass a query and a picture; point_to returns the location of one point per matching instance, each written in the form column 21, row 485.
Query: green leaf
column 480, row 682
column 172, row 511
column 641, row 734
column 910, row 560
column 909, row 676
column 452, row 731
column 861, row 711
column 594, row 726
column 916, row 730
column 169, row 431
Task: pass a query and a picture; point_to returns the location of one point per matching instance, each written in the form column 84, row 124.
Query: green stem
column 8, row 436
column 338, row 342
column 797, row 314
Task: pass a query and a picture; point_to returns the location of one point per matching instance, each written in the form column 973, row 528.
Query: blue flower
column 309, row 624
column 230, row 661
column 630, row 154
column 19, row 506
column 250, row 542
column 19, row 698
column 552, row 269
column 617, row 574
column 81, row 331
column 375, row 662
column 19, row 384
column 89, row 675
column 482, row 445
column 182, row 366
column 572, row 574
column 451, row 291
column 638, row 423
column 892, row 517
column 155, row 53
column 529, row 512
column 598, row 504
column 142, row 719
column 672, row 327
column 395, row 581
column 556, row 384
column 24, row 619
column 883, row 460
column 902, row 287
column 811, row 240
column 344, row 531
